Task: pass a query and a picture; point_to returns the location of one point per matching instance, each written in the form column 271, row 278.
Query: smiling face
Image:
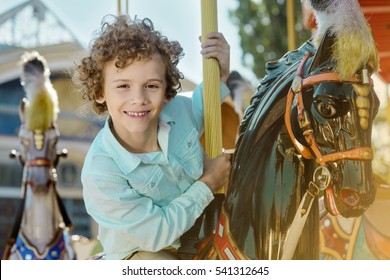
column 135, row 96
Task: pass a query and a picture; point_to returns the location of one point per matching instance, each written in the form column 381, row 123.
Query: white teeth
column 136, row 114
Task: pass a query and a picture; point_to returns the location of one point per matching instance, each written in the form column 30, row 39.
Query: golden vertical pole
column 290, row 25
column 388, row 118
column 127, row 7
column 211, row 89
column 120, row 12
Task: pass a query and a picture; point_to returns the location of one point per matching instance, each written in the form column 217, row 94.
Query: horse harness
column 321, row 176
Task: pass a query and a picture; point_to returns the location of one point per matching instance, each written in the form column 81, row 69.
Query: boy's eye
column 151, row 86
column 123, row 86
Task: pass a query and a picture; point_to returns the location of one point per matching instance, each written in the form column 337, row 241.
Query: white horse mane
column 354, row 46
column 42, row 98
column 35, row 79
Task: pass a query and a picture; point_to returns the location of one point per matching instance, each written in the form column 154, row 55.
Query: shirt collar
column 163, row 132
column 126, row 160
column 166, row 118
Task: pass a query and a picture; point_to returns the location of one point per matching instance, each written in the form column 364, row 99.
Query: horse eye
column 326, row 109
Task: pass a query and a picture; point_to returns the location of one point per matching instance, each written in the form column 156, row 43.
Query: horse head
column 38, row 133
column 331, row 114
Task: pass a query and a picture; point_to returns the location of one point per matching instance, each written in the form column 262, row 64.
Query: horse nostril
column 350, row 197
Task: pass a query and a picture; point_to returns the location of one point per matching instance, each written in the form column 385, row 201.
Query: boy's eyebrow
column 155, row 80
column 148, row 80
column 120, row 80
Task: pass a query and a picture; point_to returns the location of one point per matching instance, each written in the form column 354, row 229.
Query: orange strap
column 299, row 82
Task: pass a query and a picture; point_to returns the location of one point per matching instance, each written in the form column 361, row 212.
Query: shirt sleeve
column 115, row 205
column 197, row 104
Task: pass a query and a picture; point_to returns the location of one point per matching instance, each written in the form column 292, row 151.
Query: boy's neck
column 139, row 144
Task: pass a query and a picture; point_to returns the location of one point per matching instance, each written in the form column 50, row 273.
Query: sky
column 177, row 19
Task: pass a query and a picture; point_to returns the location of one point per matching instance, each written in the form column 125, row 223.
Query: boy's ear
column 101, row 100
column 166, row 99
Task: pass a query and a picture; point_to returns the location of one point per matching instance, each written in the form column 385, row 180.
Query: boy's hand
column 216, row 171
column 217, row 47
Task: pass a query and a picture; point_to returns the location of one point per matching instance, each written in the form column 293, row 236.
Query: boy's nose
column 137, row 95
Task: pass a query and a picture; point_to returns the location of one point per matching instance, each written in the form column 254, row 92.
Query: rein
column 321, row 176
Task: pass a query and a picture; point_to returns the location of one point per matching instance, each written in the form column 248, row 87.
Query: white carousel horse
column 41, row 229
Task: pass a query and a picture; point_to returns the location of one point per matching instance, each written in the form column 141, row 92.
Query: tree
column 263, row 31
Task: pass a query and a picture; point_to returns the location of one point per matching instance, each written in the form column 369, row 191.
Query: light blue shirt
column 147, row 201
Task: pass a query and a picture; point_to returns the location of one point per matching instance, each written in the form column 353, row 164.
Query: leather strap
column 295, row 231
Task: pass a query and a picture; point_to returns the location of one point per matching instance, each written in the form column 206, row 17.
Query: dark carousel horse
column 304, row 140
column 41, row 228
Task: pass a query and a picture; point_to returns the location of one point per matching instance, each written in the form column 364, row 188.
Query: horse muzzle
column 352, row 190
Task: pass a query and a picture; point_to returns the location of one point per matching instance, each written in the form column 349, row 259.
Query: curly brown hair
column 126, row 41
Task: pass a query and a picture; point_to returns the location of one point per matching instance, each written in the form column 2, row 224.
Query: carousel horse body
column 41, row 229
column 306, row 134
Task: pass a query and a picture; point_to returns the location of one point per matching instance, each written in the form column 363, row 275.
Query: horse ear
column 324, row 51
column 22, row 109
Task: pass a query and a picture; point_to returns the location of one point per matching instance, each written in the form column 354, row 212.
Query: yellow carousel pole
column 120, row 12
column 290, row 25
column 211, row 87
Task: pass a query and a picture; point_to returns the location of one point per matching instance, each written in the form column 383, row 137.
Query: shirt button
column 189, row 144
column 180, row 177
column 152, row 184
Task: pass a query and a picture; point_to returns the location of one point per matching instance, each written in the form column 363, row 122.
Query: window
column 11, row 174
column 69, row 174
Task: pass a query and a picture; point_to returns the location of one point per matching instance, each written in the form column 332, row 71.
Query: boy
column 145, row 178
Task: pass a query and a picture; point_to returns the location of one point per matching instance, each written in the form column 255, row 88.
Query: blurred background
column 257, row 31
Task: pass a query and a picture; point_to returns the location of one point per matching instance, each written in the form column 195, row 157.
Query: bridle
column 321, row 176
column 39, row 162
column 296, row 91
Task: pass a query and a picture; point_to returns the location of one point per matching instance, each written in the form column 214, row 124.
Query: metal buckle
column 363, row 76
column 296, row 85
column 322, row 177
column 313, row 189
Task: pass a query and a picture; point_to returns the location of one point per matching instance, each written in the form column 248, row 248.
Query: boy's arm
column 117, row 206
